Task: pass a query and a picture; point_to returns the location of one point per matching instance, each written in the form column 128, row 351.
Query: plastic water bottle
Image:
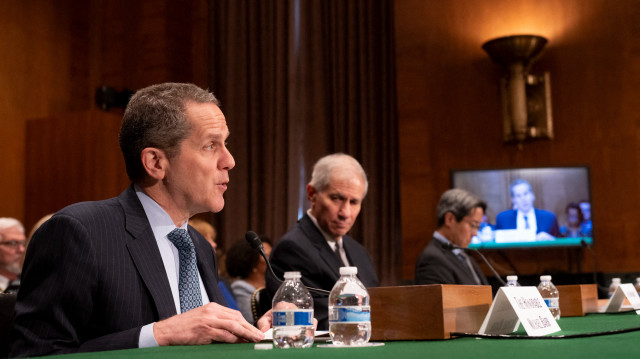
column 550, row 294
column 637, row 285
column 349, row 310
column 512, row 281
column 615, row 283
column 292, row 314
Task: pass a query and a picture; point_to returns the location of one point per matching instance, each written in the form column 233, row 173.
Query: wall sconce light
column 526, row 98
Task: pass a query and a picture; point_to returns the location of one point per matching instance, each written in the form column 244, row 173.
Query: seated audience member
column 524, row 216
column 574, row 221
column 247, row 268
column 318, row 245
column 209, row 233
column 444, row 261
column 12, row 247
column 129, row 271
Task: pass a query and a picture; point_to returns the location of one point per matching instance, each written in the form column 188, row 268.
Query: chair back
column 260, row 303
column 7, row 304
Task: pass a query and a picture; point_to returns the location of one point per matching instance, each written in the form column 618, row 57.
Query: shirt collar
column 437, row 235
column 327, row 236
column 160, row 221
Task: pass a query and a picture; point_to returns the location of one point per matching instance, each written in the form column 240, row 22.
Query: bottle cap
column 615, row 280
column 348, row 270
column 545, row 277
column 291, row 275
column 512, row 277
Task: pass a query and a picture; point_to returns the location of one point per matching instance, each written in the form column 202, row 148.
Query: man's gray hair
column 459, row 202
column 156, row 117
column 7, row 222
column 340, row 164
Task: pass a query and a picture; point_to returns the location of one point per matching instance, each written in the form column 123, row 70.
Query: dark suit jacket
column 94, row 276
column 438, row 264
column 304, row 249
column 546, row 221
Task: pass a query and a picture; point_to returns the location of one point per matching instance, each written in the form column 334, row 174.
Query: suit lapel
column 146, row 255
column 317, row 239
column 458, row 265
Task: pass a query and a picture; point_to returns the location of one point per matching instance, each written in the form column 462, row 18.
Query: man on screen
column 523, row 216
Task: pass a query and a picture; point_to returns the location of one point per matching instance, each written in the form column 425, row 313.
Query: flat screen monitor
column 531, row 207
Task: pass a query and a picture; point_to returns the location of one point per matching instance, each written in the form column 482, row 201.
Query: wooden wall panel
column 449, row 113
column 55, row 55
column 72, row 158
column 42, row 71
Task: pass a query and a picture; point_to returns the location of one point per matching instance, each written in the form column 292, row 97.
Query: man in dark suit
column 318, row 245
column 524, row 216
column 444, row 260
column 129, row 272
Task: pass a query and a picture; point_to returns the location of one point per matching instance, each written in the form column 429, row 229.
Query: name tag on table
column 623, row 291
column 515, row 305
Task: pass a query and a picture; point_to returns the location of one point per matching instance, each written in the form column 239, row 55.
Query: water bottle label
column 291, row 317
column 350, row 314
column 552, row 302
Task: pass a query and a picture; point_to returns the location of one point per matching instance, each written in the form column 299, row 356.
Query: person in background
column 129, row 271
column 574, row 221
column 12, row 248
column 443, row 260
column 247, row 268
column 318, row 245
column 524, row 216
column 209, row 233
column 587, row 225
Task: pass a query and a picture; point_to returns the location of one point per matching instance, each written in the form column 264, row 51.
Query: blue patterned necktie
column 188, row 284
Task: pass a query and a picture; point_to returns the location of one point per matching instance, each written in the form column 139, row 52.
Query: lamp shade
column 515, row 49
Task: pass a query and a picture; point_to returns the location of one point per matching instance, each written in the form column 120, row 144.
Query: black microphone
column 450, row 246
column 256, row 243
column 587, row 246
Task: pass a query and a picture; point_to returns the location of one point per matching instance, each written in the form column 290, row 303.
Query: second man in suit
column 444, row 260
column 318, row 245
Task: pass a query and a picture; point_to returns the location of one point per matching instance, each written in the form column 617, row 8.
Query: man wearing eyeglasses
column 12, row 241
column 444, row 260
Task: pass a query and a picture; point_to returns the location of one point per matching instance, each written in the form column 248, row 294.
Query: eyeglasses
column 473, row 225
column 13, row 244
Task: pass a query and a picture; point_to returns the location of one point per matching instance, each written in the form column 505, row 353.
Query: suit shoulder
column 542, row 212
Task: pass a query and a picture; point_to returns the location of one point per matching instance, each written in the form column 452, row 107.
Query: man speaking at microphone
column 129, row 271
column 318, row 245
column 444, row 260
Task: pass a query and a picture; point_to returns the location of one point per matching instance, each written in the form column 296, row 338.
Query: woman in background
column 209, row 233
column 247, row 269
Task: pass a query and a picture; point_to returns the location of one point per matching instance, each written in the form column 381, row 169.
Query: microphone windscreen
column 253, row 239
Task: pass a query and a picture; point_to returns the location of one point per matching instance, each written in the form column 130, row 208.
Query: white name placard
column 623, row 291
column 515, row 305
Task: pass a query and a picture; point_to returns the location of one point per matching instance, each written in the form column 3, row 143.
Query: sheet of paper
column 519, row 304
column 628, row 291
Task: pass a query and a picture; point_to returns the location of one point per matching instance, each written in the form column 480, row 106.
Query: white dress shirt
column 161, row 225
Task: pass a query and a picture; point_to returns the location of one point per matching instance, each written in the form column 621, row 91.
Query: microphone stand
column 256, row 243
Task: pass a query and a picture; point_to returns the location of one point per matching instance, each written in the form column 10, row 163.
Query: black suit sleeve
column 57, row 302
column 429, row 270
